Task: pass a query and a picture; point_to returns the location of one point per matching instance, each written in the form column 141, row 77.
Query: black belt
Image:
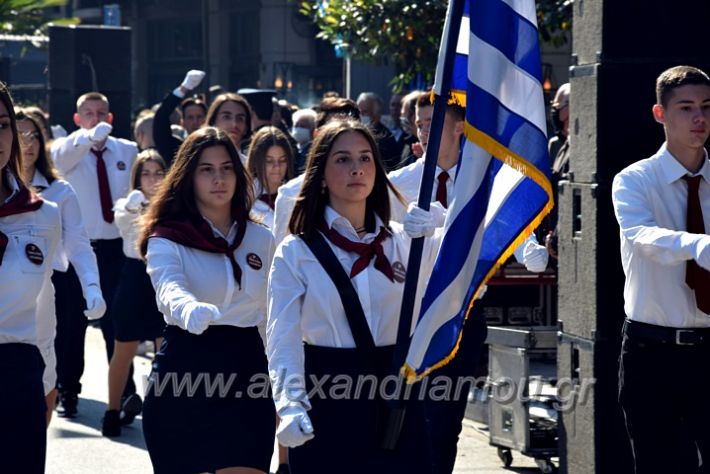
column 666, row 335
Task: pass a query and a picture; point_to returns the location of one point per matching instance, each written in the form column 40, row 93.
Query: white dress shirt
column 77, row 165
column 261, row 210
column 22, row 279
column 283, row 207
column 181, row 275
column 651, row 201
column 408, row 179
column 304, row 305
column 129, row 226
column 73, row 247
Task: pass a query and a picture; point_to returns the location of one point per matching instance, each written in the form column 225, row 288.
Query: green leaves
column 26, row 16
column 407, row 33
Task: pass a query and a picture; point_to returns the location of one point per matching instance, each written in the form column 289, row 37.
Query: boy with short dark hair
column 662, row 205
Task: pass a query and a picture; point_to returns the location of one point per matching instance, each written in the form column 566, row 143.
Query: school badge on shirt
column 121, row 166
column 254, row 261
column 400, row 273
column 34, row 254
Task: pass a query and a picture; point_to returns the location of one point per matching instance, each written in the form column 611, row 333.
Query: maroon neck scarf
column 269, row 199
column 365, row 251
column 198, row 234
column 23, row 201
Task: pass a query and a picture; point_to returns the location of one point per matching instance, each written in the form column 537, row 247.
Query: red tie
column 696, row 277
column 269, row 199
column 104, row 188
column 366, row 251
column 441, row 189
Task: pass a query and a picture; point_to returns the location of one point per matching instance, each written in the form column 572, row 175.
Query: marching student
column 230, row 112
column 445, row 416
column 193, row 115
column 74, row 247
column 328, row 109
column 662, row 205
column 98, row 167
column 30, row 229
column 135, row 313
column 209, row 266
column 270, row 162
column 341, row 221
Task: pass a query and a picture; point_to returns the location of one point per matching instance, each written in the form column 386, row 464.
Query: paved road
column 77, row 447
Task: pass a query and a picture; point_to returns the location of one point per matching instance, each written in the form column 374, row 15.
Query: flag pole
column 450, row 36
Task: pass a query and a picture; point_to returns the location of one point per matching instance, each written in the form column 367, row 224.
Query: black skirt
column 135, row 312
column 23, row 426
column 208, row 405
column 349, row 417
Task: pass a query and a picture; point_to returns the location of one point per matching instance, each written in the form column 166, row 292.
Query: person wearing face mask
column 304, row 124
column 558, row 145
column 371, row 105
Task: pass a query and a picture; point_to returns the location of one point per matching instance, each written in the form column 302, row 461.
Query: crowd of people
column 243, row 237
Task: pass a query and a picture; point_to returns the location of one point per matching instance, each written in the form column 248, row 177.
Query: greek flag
column 502, row 189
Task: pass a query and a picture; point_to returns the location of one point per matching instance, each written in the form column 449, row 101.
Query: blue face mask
column 301, row 134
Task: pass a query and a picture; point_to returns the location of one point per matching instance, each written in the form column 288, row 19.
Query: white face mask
column 365, row 119
column 301, row 134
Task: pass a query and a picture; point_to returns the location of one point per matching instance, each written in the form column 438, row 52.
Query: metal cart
column 521, row 378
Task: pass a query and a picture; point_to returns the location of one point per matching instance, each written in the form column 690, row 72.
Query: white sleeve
column 168, row 276
column 124, row 219
column 67, row 152
column 262, row 325
column 76, row 242
column 282, row 215
column 284, row 337
column 638, row 225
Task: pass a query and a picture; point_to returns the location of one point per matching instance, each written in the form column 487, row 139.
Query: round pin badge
column 400, row 273
column 34, row 254
column 254, row 261
column 121, row 165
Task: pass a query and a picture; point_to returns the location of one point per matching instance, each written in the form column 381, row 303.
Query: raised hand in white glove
column 702, row 252
column 192, row 79
column 95, row 304
column 199, row 316
column 100, row 132
column 58, row 131
column 421, row 223
column 295, row 427
column 535, row 257
column 135, row 200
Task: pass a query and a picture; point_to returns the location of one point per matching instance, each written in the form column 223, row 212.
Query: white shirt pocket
column 255, row 275
column 31, row 253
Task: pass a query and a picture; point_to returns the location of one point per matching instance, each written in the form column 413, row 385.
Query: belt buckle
column 678, row 339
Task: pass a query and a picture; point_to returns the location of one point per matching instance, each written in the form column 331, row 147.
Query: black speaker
column 90, row 58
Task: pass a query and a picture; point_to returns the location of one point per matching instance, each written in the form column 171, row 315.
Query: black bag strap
column 351, row 302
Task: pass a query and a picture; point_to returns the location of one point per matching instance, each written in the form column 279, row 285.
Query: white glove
column 192, row 79
column 100, row 132
column 295, row 427
column 535, row 257
column 58, row 131
column 702, row 252
column 95, row 304
column 199, row 316
column 135, row 200
column 421, row 223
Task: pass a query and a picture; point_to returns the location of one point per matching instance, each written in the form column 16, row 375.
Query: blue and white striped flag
column 502, row 189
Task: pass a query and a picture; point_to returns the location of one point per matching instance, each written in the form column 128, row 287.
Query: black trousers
column 71, row 322
column 663, row 390
column 23, row 433
column 444, row 416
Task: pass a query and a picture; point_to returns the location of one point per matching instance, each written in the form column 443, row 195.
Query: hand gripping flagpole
column 397, row 405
